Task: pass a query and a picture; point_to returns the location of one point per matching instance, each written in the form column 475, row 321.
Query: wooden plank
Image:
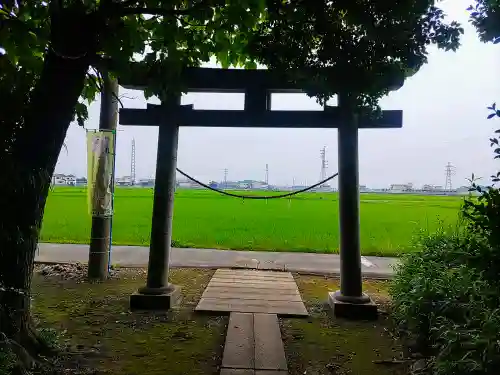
column 239, row 349
column 253, row 295
column 254, row 284
column 267, row 307
column 252, row 272
column 252, row 280
column 250, row 299
column 253, row 276
column 239, row 371
column 269, row 350
column 248, row 289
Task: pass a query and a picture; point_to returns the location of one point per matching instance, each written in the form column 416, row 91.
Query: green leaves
column 365, row 47
column 484, row 16
column 361, row 46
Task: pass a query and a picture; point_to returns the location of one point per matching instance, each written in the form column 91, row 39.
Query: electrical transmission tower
column 225, row 177
column 267, row 174
column 324, row 164
column 132, row 164
column 450, row 171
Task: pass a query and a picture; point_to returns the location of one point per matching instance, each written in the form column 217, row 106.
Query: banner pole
column 113, row 175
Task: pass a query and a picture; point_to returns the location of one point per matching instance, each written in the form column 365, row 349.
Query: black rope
column 257, row 196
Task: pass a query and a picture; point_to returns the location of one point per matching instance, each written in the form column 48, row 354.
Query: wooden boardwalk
column 253, row 346
column 249, row 291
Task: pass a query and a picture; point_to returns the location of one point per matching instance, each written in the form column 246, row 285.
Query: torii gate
column 257, row 85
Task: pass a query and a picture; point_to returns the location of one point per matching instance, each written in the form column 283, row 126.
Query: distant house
column 81, row 181
column 124, row 181
column 147, row 182
column 63, row 179
column 399, row 188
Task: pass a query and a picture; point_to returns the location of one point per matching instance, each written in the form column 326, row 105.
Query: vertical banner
column 100, row 168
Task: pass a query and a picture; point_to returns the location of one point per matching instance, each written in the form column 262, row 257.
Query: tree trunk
column 28, row 169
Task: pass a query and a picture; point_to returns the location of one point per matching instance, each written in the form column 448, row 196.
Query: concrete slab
column 137, row 256
column 269, row 350
column 239, row 348
column 236, row 371
column 265, row 292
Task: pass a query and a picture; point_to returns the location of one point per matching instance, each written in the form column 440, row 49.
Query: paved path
column 136, row 256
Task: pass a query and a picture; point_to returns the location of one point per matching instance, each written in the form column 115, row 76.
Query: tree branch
column 166, row 12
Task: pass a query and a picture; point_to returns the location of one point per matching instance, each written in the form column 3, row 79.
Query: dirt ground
column 322, row 344
column 104, row 337
column 100, row 335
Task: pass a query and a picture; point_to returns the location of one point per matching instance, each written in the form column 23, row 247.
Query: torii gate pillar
column 350, row 301
column 159, row 294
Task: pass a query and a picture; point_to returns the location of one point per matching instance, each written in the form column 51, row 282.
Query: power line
column 450, row 171
column 258, row 196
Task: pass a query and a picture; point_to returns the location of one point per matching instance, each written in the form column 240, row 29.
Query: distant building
column 63, row 179
column 124, row 181
column 147, row 182
column 81, row 181
column 400, row 188
column 363, row 189
column 432, row 188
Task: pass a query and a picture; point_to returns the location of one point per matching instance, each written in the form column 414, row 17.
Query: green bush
column 446, row 295
column 7, row 362
column 446, row 307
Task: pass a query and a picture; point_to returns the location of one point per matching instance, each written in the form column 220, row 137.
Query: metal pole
column 163, row 205
column 100, row 242
column 351, row 288
column 113, row 181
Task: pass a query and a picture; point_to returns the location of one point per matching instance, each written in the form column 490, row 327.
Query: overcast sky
column 444, row 121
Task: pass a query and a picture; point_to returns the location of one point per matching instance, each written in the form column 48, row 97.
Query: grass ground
column 324, row 345
column 106, row 338
column 308, row 223
column 96, row 322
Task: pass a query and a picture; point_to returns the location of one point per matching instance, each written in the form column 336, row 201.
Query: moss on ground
column 322, row 344
column 104, row 335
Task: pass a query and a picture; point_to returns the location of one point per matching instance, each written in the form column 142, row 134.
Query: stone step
column 269, row 350
column 234, row 371
column 239, row 349
column 253, row 346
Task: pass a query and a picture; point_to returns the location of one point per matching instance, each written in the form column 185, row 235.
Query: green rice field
column 306, row 223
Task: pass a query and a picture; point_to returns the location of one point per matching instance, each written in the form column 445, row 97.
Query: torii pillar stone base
column 357, row 308
column 155, row 299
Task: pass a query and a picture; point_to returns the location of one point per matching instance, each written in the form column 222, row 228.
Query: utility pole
column 324, row 164
column 450, row 171
column 100, row 236
column 267, row 174
column 225, row 177
column 132, row 164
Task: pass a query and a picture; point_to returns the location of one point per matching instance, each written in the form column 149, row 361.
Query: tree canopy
column 485, row 17
column 320, row 43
